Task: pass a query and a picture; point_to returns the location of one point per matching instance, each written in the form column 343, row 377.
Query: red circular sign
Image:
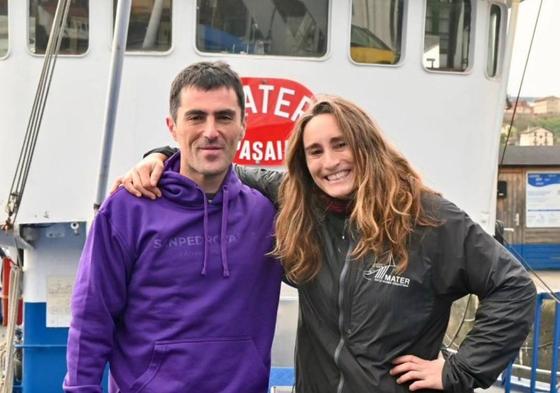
column 272, row 105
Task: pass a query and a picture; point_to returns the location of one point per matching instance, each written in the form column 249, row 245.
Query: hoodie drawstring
column 223, row 239
column 204, row 262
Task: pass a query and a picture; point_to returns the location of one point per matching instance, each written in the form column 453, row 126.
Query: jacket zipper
column 341, row 282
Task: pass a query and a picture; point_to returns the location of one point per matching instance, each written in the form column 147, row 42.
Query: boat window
column 376, row 31
column 75, row 39
column 3, row 28
column 273, row 27
column 149, row 27
column 494, row 40
column 447, row 35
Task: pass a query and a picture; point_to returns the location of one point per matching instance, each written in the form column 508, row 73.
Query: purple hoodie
column 177, row 293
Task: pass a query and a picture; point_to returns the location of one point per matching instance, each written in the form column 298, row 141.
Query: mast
column 115, row 76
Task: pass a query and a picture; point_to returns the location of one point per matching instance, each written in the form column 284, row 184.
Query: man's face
column 207, row 128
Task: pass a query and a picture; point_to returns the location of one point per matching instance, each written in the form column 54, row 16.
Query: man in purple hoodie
column 178, row 294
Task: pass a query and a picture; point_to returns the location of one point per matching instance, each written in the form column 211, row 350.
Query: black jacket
column 357, row 316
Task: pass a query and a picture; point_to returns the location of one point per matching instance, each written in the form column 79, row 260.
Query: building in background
column 536, row 136
column 547, row 106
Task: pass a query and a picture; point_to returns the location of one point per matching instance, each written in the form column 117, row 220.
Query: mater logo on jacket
column 384, row 272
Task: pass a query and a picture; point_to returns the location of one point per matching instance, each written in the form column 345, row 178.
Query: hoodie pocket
column 209, row 365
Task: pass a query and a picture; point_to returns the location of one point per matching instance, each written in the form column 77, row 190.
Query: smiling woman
column 377, row 258
column 337, row 152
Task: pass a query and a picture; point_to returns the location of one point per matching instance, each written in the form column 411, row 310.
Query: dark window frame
column 398, row 52
column 44, row 40
column 451, row 36
column 148, row 52
column 494, row 54
column 223, row 42
column 4, row 12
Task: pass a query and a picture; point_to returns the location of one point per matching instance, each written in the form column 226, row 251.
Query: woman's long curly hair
column 386, row 202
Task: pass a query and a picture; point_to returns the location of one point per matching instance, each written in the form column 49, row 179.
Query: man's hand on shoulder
column 143, row 178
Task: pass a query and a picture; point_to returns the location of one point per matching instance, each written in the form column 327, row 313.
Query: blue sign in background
column 543, row 179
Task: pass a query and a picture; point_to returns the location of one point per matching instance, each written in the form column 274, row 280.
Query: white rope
column 34, row 123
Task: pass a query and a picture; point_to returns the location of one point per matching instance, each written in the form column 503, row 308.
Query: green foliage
column 551, row 123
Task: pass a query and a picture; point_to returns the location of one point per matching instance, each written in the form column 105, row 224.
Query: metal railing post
column 555, row 342
column 536, row 342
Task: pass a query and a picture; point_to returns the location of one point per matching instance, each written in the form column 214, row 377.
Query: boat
column 433, row 73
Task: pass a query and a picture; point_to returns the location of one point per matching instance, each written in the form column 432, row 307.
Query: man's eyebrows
column 225, row 112
column 194, row 112
column 200, row 112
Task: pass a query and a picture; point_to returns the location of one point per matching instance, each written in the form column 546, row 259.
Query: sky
column 543, row 71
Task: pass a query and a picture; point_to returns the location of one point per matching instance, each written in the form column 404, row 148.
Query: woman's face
column 329, row 157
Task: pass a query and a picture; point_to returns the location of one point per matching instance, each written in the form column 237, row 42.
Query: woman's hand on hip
column 420, row 373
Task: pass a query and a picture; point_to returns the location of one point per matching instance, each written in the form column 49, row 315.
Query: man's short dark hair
column 206, row 76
